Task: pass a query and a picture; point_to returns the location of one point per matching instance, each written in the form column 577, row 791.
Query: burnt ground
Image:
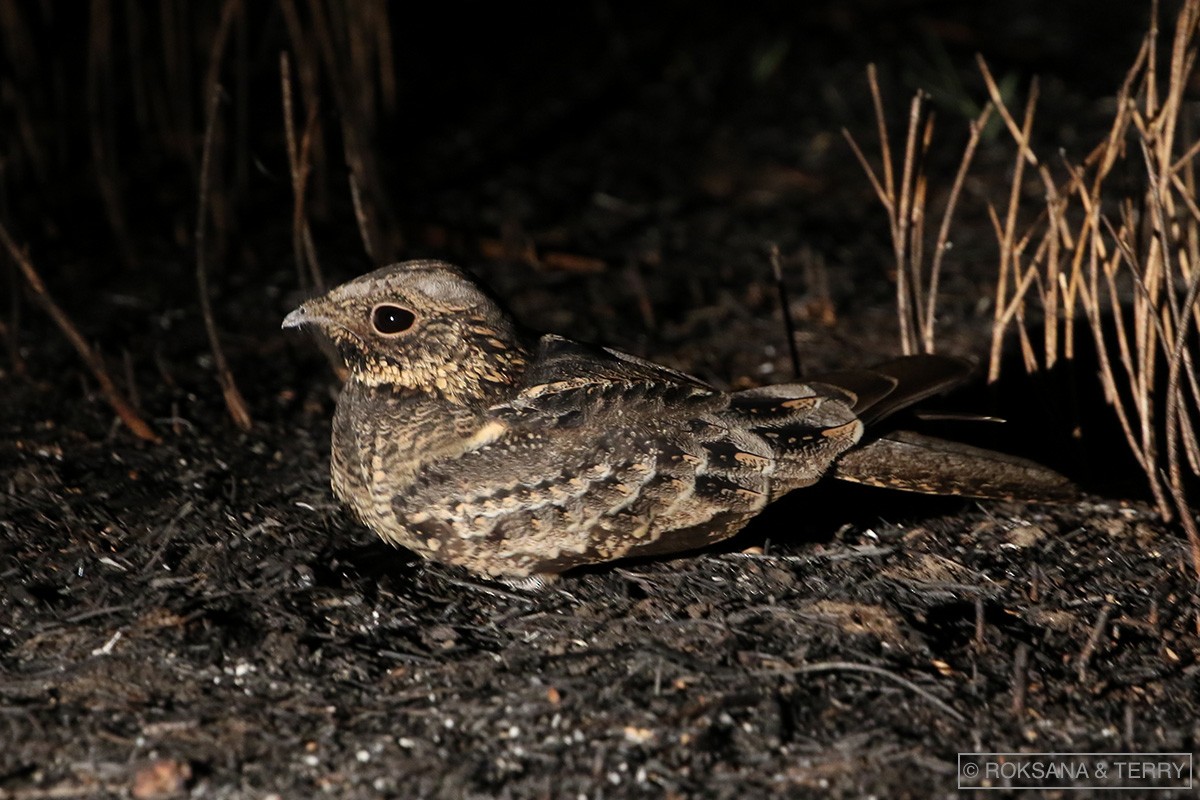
column 198, row 617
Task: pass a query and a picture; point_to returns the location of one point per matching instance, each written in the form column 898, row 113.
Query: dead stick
column 870, row 669
column 1020, row 679
column 788, row 324
column 1089, row 648
column 289, row 130
column 979, row 622
column 233, row 398
column 1007, row 236
column 889, row 181
column 114, row 397
column 1020, row 136
column 1174, row 416
column 364, row 222
column 880, row 191
column 943, row 236
column 300, row 166
column 902, row 231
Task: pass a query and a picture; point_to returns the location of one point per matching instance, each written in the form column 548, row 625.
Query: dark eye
column 392, row 319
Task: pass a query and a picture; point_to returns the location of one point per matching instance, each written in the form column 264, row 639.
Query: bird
column 466, row 439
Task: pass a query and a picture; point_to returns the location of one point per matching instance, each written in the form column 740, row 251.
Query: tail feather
column 817, row 426
column 915, row 463
column 924, row 464
column 895, row 385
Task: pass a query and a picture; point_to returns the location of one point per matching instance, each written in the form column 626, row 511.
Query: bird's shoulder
column 566, row 375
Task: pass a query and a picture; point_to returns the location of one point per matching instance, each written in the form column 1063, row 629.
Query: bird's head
column 419, row 325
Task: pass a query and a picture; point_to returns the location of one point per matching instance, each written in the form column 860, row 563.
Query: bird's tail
column 916, row 463
column 809, row 425
column 895, row 385
column 912, row 462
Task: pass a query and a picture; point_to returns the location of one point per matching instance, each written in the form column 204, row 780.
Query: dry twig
column 1136, row 277
column 917, row 285
column 786, row 309
column 234, row 401
column 113, row 395
column 300, row 167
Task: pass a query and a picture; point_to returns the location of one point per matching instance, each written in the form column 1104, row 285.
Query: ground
column 199, row 617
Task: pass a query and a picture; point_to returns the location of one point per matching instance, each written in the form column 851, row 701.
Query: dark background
column 198, row 614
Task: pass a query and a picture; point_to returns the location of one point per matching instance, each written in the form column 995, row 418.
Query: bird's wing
column 597, row 455
column 603, row 406
column 563, row 366
column 582, row 409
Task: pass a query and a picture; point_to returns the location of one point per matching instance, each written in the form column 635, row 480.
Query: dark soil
column 199, row 617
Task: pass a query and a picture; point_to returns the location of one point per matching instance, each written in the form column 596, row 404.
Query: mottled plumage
column 470, row 443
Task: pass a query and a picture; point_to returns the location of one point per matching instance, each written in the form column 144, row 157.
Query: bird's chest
column 382, row 441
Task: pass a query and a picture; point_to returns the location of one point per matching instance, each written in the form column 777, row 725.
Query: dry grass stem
column 1125, row 255
column 300, row 167
column 234, row 401
column 102, row 127
column 1135, row 277
column 362, row 217
column 785, row 307
column 108, row 388
column 353, row 94
column 1009, row 267
column 918, row 279
column 942, row 244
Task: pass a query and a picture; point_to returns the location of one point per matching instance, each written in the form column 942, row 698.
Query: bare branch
column 234, row 401
column 108, row 388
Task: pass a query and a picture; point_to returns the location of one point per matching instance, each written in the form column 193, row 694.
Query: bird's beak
column 319, row 314
column 297, row 318
column 306, row 314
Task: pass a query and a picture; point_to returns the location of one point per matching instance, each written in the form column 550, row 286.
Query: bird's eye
column 392, row 319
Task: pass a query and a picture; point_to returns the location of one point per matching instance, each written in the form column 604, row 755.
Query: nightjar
column 470, row 442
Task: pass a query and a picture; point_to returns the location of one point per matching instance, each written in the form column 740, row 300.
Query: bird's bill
column 306, row 315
